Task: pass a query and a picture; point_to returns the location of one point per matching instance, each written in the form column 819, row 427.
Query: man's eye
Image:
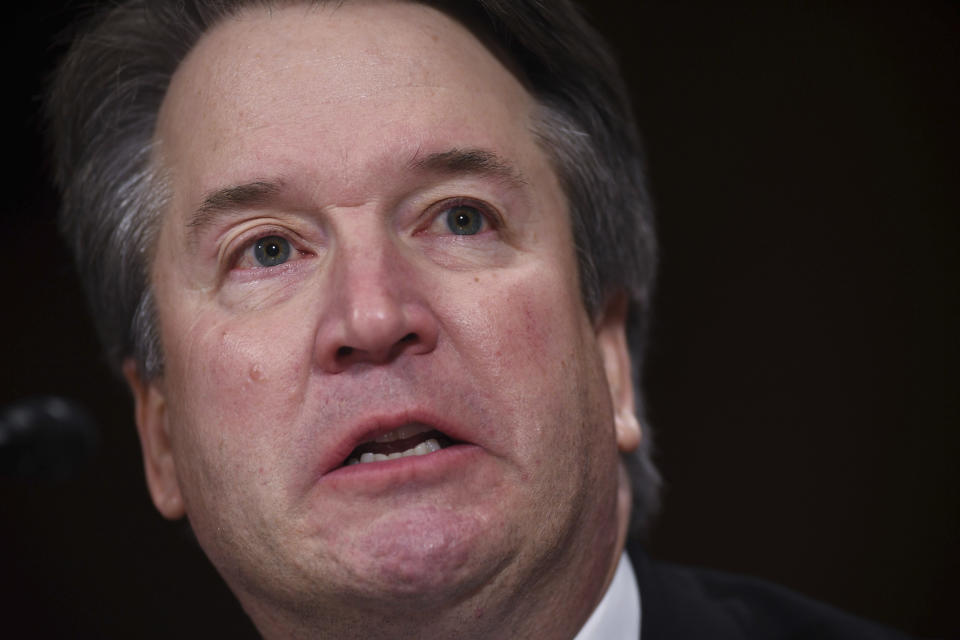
column 271, row 251
column 464, row 220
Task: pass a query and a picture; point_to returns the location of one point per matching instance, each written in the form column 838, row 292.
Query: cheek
column 533, row 345
column 547, row 381
column 235, row 388
column 517, row 313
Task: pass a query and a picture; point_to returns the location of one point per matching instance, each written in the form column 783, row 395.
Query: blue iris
column 464, row 220
column 271, row 251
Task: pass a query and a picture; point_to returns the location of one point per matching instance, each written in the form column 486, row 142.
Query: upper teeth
column 427, row 446
column 406, row 431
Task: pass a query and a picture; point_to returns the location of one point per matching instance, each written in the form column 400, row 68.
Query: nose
column 375, row 311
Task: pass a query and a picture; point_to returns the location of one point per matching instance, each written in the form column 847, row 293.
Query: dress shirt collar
column 617, row 617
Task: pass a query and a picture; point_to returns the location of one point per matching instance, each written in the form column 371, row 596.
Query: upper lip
column 375, row 425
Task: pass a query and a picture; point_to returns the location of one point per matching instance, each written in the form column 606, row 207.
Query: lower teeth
column 427, row 446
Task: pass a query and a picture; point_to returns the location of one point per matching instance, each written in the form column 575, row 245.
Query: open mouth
column 405, row 441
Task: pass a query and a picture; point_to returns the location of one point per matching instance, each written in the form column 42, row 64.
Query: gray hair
column 102, row 110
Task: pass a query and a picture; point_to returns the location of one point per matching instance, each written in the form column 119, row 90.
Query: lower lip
column 377, row 477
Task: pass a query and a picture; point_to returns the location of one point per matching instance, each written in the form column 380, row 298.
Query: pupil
column 272, row 249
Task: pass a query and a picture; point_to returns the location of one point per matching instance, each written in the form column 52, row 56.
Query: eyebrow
column 467, row 161
column 228, row 199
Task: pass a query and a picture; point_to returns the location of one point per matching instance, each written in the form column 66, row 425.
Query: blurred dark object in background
column 46, row 438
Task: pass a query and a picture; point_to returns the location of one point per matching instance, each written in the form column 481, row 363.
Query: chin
column 427, row 554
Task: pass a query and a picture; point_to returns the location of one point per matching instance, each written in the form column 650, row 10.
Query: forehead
column 340, row 93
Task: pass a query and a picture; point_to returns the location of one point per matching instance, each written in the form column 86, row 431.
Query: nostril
column 346, row 354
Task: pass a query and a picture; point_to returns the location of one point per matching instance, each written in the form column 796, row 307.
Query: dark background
column 803, row 371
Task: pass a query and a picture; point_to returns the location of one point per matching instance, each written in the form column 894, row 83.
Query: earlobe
column 158, row 460
column 628, row 429
column 612, row 339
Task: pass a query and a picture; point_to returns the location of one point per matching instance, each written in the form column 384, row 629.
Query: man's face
column 365, row 237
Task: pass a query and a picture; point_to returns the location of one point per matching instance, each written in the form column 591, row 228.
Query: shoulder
column 683, row 602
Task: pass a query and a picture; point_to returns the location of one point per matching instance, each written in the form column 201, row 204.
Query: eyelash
column 246, row 243
column 492, row 219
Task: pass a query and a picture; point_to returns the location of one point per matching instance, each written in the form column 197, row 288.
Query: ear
column 150, row 409
column 612, row 340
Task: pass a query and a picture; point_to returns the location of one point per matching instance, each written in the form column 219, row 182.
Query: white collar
column 617, row 617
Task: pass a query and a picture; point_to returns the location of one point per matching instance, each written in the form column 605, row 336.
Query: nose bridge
column 369, row 288
column 374, row 312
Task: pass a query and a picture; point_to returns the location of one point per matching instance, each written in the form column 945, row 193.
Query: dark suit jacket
column 680, row 602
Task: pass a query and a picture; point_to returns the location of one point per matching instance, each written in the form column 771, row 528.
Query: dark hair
column 102, row 110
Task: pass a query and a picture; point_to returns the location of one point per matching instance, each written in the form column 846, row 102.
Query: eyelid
column 490, row 213
column 236, row 247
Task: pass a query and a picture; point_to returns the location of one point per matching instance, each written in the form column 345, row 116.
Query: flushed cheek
column 530, row 334
column 530, row 353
